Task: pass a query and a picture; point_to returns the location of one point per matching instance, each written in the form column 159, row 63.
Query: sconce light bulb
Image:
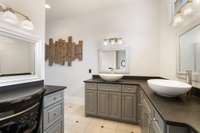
column 112, row 42
column 177, row 20
column 47, row 6
column 120, row 41
column 105, row 42
column 187, row 10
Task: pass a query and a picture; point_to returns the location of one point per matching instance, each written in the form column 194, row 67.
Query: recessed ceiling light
column 47, row 6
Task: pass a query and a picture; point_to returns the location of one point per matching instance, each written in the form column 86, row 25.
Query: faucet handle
column 189, row 76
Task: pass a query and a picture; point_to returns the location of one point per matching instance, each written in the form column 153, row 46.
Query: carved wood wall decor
column 60, row 51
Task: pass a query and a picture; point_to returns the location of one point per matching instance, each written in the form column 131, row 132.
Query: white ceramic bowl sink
column 111, row 77
column 168, row 88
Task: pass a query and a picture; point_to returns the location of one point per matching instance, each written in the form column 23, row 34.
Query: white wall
column 138, row 24
column 36, row 11
column 168, row 44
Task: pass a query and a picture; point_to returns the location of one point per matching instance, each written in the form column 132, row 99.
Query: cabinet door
column 129, row 107
column 139, row 106
column 103, row 104
column 115, row 105
column 177, row 129
column 154, row 128
column 91, row 102
column 146, row 117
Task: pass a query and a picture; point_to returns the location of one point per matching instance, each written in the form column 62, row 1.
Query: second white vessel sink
column 111, row 77
column 168, row 88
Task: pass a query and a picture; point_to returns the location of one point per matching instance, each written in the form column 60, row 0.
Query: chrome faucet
column 189, row 76
column 111, row 69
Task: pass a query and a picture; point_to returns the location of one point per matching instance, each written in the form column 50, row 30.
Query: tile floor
column 76, row 122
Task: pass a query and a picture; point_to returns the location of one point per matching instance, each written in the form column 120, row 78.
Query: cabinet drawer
column 129, row 88
column 91, row 86
column 53, row 98
column 109, row 87
column 56, row 128
column 52, row 114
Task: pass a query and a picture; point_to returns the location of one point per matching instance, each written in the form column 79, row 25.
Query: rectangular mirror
column 189, row 52
column 113, row 61
column 17, row 57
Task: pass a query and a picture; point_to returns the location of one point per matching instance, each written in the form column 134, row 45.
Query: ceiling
column 69, row 8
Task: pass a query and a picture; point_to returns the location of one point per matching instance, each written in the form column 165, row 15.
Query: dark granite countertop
column 18, row 94
column 15, row 93
column 51, row 89
column 183, row 110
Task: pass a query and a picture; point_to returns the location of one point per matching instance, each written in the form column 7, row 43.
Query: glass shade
column 10, row 17
column 27, row 24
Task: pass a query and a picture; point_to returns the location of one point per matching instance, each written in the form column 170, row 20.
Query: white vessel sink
column 168, row 88
column 111, row 77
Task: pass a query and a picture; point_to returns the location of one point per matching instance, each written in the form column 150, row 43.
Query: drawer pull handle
column 54, row 114
column 54, row 98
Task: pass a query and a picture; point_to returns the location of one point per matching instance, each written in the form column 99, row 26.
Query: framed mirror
column 189, row 53
column 21, row 56
column 17, row 57
column 113, row 60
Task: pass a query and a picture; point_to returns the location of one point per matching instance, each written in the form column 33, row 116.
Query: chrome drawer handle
column 54, row 98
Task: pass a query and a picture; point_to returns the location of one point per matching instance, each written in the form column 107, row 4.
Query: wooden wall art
column 60, row 51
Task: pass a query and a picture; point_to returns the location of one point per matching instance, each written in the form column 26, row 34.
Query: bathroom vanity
column 131, row 100
column 53, row 110
column 32, row 106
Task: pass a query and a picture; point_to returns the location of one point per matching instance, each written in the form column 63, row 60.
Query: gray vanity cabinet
column 103, row 104
column 53, row 113
column 109, row 101
column 91, row 102
column 115, row 105
column 177, row 129
column 112, row 101
column 146, row 117
column 91, row 99
column 129, row 107
column 152, row 122
column 129, row 103
column 154, row 128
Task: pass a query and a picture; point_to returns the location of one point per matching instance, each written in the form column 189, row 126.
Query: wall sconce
column 10, row 16
column 184, row 9
column 113, row 41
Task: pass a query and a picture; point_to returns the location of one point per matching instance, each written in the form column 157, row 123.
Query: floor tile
column 105, row 130
column 76, row 122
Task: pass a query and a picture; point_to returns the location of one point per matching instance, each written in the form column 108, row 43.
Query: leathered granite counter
column 52, row 88
column 14, row 93
column 182, row 110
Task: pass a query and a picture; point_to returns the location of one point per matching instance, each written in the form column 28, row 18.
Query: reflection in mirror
column 17, row 57
column 189, row 51
column 113, row 61
column 121, row 59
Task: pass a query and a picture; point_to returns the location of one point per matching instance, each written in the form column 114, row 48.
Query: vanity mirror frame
column 14, row 32
column 116, row 48
column 179, row 74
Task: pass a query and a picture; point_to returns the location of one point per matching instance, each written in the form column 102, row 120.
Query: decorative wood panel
column 60, row 51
